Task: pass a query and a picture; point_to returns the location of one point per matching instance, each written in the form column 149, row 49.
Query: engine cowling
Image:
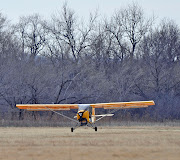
column 83, row 116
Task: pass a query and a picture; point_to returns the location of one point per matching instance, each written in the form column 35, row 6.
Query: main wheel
column 72, row 129
column 95, row 128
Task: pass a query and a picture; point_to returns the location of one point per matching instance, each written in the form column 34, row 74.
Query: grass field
column 126, row 143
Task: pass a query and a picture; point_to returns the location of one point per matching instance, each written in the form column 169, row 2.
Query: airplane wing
column 113, row 105
column 42, row 107
column 123, row 105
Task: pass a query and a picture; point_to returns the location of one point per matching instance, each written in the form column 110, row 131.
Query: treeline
column 126, row 57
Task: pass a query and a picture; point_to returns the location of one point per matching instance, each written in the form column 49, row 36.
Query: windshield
column 84, row 107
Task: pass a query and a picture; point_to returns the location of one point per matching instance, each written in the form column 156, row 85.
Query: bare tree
column 134, row 25
column 169, row 34
column 115, row 30
column 69, row 38
column 31, row 34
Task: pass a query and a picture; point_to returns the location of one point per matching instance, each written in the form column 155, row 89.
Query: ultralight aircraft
column 86, row 112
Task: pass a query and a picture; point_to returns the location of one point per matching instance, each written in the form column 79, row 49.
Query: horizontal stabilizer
column 103, row 115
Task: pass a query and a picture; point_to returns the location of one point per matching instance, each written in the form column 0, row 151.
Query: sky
column 13, row 9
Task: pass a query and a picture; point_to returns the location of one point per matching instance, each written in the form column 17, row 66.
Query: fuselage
column 83, row 114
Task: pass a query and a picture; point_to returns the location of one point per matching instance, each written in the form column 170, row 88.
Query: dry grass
column 127, row 143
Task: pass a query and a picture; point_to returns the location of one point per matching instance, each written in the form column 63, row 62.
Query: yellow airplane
column 86, row 112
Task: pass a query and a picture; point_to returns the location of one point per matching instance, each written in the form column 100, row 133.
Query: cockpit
column 83, row 107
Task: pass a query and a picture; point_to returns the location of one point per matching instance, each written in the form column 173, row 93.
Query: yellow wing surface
column 42, row 107
column 123, row 105
column 113, row 105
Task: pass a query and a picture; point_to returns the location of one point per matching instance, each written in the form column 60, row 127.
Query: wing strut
column 62, row 115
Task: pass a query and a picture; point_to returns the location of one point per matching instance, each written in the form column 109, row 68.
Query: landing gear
column 95, row 129
column 82, row 124
column 76, row 126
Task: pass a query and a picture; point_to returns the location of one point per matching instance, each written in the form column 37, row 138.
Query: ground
column 126, row 143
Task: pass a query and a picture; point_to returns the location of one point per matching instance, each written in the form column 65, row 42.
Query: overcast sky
column 13, row 9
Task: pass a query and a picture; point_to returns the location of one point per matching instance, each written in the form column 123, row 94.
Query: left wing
column 42, row 107
column 123, row 105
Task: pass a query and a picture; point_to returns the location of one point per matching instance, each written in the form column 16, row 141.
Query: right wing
column 123, row 105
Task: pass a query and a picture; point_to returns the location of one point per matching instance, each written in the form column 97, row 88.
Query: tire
column 72, row 129
column 95, row 129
